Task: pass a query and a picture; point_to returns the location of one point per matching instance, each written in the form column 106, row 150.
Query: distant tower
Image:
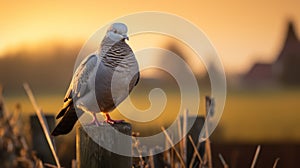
column 285, row 69
column 287, row 66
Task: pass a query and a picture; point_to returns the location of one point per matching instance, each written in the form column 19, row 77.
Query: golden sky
column 241, row 31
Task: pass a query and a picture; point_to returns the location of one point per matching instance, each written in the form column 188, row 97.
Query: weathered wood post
column 194, row 132
column 90, row 154
column 39, row 142
column 195, row 123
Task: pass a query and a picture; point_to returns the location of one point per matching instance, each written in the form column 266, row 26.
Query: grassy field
column 249, row 116
column 262, row 116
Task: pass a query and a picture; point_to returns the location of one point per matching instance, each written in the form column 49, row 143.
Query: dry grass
column 266, row 108
column 174, row 157
column 179, row 160
column 14, row 149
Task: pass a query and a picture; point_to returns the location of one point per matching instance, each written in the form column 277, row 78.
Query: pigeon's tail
column 68, row 120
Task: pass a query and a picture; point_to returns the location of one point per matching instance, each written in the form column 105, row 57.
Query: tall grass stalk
column 225, row 165
column 43, row 122
column 276, row 162
column 197, row 153
column 173, row 147
column 255, row 156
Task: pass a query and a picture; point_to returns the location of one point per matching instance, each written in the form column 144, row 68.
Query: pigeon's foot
column 94, row 121
column 111, row 121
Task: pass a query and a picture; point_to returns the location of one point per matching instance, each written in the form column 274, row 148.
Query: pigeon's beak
column 125, row 37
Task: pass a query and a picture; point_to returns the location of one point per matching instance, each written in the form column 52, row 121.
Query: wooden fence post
column 194, row 132
column 39, row 142
column 90, row 154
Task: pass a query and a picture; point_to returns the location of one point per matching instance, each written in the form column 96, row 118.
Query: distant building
column 285, row 69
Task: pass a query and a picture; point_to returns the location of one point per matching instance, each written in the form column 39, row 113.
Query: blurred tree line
column 47, row 68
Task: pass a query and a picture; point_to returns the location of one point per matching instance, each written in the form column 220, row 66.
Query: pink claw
column 111, row 121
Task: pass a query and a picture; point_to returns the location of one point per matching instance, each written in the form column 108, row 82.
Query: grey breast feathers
column 118, row 58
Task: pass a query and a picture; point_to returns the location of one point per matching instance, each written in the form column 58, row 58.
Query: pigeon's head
column 117, row 32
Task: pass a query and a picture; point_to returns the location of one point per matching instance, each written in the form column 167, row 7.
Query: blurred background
column 257, row 41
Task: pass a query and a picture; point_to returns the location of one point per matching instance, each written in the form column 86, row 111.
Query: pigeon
column 101, row 81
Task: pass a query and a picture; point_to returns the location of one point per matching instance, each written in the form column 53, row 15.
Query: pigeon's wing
column 79, row 85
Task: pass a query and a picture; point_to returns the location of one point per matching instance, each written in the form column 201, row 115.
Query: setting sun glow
column 242, row 32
